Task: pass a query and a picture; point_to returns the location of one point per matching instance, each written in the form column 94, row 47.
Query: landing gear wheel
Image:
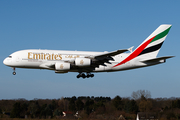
column 14, row 73
column 78, row 76
column 88, row 76
column 85, row 76
column 92, row 75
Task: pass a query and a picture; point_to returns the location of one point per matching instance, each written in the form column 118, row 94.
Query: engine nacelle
column 82, row 62
column 62, row 66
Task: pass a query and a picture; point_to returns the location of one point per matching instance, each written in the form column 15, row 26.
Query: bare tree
column 140, row 94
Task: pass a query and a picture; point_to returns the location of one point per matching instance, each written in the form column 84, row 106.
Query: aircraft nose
column 5, row 61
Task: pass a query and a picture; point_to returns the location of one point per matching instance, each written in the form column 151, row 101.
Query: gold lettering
column 48, row 57
column 52, row 56
column 60, row 57
column 36, row 56
column 55, row 57
column 42, row 54
column 29, row 55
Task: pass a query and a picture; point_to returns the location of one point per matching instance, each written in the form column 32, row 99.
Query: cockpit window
column 9, row 56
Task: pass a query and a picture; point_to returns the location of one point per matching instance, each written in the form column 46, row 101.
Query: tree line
column 92, row 107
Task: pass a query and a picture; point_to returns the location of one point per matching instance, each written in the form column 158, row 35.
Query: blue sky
column 87, row 26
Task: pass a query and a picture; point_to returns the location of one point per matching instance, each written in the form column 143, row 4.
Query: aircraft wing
column 100, row 59
column 109, row 54
column 47, row 65
column 97, row 60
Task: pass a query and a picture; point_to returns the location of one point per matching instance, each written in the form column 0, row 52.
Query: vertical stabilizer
column 150, row 47
column 153, row 43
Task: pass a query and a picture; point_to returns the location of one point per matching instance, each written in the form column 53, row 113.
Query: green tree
column 145, row 105
column 57, row 113
column 43, row 111
column 72, row 105
column 134, row 107
column 54, row 105
column 34, row 109
column 24, row 108
column 46, row 110
column 176, row 103
column 15, row 113
column 79, row 105
column 117, row 102
column 100, row 107
column 127, row 106
column 89, row 106
column 49, row 110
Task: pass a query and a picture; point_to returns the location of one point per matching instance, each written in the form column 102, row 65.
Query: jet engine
column 81, row 62
column 62, row 66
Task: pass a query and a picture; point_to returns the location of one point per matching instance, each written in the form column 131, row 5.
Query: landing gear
column 85, row 76
column 14, row 73
column 89, row 75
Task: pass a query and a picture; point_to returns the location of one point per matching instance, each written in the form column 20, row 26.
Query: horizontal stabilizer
column 160, row 59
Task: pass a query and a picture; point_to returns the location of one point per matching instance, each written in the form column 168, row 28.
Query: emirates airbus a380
column 86, row 63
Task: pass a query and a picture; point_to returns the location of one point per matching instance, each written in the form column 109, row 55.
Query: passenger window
column 9, row 56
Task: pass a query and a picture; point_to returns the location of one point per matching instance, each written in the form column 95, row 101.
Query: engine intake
column 81, row 62
column 62, row 66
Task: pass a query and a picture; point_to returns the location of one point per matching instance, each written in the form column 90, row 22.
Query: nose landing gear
column 85, row 76
column 14, row 73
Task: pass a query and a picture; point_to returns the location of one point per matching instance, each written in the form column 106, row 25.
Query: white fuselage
column 41, row 59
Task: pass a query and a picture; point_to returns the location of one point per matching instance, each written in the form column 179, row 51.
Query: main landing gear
column 14, row 69
column 85, row 76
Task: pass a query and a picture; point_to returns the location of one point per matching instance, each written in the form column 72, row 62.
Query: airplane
column 86, row 63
